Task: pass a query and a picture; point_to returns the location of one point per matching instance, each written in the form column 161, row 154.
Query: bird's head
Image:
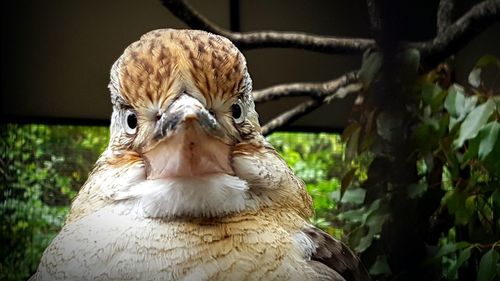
column 185, row 136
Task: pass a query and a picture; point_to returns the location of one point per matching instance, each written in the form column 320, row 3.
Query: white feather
column 304, row 245
column 201, row 196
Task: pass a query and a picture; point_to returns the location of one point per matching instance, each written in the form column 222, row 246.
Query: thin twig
column 291, row 115
column 346, row 84
column 313, row 90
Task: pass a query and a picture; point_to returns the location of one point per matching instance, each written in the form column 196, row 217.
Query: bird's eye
column 238, row 112
column 130, row 123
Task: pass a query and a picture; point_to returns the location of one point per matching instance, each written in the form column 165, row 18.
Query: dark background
column 56, row 55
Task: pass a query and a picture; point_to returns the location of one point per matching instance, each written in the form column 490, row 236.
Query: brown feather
column 336, row 255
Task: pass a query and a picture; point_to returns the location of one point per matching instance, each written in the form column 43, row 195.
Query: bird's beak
column 182, row 113
column 188, row 142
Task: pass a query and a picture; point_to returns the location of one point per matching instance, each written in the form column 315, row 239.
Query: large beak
column 186, row 111
column 189, row 142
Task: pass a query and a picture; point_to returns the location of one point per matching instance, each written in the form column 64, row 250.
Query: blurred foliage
column 319, row 160
column 460, row 131
column 41, row 169
column 454, row 141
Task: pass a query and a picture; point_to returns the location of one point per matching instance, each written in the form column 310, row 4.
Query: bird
column 188, row 187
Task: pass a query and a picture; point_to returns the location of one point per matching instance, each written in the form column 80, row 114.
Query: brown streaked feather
column 336, row 256
column 211, row 62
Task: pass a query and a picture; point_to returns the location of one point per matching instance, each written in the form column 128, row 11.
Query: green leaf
column 475, row 77
column 446, row 250
column 375, row 222
column 470, row 202
column 352, row 195
column 361, row 214
column 468, row 106
column 353, row 215
column 417, row 189
column 433, row 95
column 380, row 266
column 487, row 60
column 462, row 257
column 453, row 122
column 472, row 150
column 372, row 62
column 487, row 266
column 474, row 122
column 388, row 125
column 422, row 136
column 458, row 105
column 496, row 197
column 352, row 144
column 438, row 100
column 456, row 203
column 374, row 219
column 346, row 181
column 496, row 99
column 410, row 59
column 491, row 160
column 488, row 136
column 428, row 92
column 455, row 100
column 451, row 248
column 349, row 131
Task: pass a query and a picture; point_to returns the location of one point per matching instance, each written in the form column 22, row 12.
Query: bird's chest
column 126, row 248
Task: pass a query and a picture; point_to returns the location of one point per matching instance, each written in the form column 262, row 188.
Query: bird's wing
column 333, row 256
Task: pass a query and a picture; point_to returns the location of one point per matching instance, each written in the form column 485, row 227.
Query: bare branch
column 267, row 39
column 444, row 15
column 192, row 18
column 291, row 115
column 452, row 38
column 323, row 44
column 344, row 85
column 313, row 90
column 455, row 36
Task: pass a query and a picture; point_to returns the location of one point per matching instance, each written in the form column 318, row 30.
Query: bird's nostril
column 211, row 111
column 158, row 116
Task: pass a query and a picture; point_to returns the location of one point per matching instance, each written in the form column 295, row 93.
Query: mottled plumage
column 188, row 188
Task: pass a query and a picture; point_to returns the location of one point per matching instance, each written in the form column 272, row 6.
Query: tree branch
column 444, row 15
column 267, row 39
column 321, row 93
column 313, row 90
column 192, row 18
column 455, row 36
column 291, row 115
column 450, row 40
